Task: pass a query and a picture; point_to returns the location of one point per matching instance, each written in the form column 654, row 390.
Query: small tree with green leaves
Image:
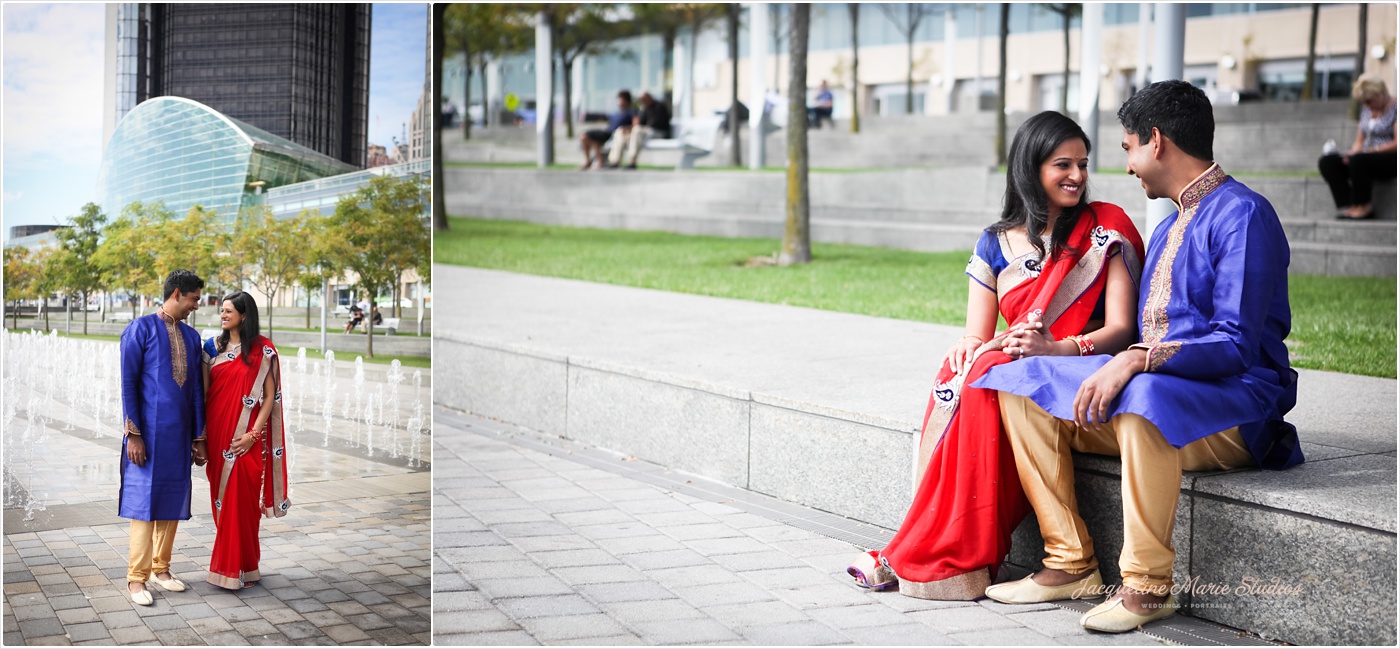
column 376, row 233
column 272, row 251
column 127, row 254
column 20, row 275
column 79, row 243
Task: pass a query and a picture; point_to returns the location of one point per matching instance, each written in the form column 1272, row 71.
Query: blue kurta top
column 1213, row 313
column 163, row 400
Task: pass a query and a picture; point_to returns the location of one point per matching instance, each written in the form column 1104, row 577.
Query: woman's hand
column 243, row 443
column 961, row 353
column 1029, row 339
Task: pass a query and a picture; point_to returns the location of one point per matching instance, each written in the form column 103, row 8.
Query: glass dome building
column 184, row 153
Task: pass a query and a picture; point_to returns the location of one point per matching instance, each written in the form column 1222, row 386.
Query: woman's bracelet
column 1086, row 346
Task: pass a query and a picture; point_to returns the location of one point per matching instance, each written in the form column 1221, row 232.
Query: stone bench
column 822, row 409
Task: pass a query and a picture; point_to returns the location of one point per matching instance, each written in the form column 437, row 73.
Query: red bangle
column 1086, row 346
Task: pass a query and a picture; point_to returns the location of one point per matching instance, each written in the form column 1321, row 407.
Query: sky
column 52, row 100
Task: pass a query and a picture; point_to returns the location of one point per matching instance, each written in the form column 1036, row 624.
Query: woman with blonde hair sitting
column 1372, row 156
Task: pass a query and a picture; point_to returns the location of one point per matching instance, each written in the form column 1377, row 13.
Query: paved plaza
column 543, row 541
column 349, row 564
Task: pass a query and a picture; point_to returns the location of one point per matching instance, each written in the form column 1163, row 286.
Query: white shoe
column 172, row 584
column 142, row 597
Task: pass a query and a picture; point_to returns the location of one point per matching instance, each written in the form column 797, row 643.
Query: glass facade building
column 299, row 71
column 320, row 196
column 184, row 153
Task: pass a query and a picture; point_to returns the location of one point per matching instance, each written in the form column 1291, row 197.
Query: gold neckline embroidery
column 1154, row 312
column 179, row 359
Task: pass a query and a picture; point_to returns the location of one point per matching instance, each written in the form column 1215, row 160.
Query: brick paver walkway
column 533, row 547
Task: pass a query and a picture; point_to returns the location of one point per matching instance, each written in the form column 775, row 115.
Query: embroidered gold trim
column 179, row 360
column 967, row 586
column 1160, row 354
column 1154, row 312
column 131, row 428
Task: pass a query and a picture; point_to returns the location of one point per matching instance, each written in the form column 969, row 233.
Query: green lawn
column 1342, row 324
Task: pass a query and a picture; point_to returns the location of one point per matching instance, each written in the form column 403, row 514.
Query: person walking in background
column 1372, row 156
column 593, row 140
column 1063, row 272
column 248, row 470
column 653, row 121
column 822, row 110
column 163, row 432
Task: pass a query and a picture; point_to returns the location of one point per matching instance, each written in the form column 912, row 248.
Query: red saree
column 243, row 488
column 969, row 500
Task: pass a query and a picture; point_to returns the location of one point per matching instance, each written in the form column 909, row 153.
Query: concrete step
column 822, row 408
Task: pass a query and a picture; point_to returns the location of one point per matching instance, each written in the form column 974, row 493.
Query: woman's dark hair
column 248, row 329
column 1178, row 110
column 1025, row 202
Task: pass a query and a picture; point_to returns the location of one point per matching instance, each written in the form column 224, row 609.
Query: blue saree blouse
column 1213, row 313
column 163, row 402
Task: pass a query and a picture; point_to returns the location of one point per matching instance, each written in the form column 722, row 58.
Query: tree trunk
column 485, row 97
column 1064, row 87
column 797, row 244
column 732, row 14
column 369, row 327
column 439, row 209
column 308, row 308
column 1001, row 84
column 854, row 8
column 909, row 72
column 668, row 62
column 568, row 65
column 1311, row 67
column 467, row 96
column 398, row 294
column 85, row 317
column 1354, row 110
column 271, row 306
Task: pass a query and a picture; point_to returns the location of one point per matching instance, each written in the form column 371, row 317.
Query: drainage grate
column 1180, row 629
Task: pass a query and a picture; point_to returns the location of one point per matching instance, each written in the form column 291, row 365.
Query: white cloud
column 13, row 196
column 53, row 84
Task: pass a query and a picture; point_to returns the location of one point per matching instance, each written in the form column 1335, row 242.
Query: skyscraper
column 298, row 71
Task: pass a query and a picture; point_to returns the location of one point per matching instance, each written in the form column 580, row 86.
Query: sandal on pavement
column 142, row 597
column 870, row 574
column 173, row 584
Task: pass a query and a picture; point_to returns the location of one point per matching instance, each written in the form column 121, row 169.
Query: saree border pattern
column 1155, row 321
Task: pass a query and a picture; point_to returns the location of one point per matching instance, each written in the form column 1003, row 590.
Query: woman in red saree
column 1063, row 273
column 247, row 466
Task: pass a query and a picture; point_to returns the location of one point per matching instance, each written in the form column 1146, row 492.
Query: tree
column 200, row 242
column 1002, row 30
column 20, row 276
column 908, row 25
column 272, row 251
column 1354, row 112
column 666, row 20
column 854, row 8
column 1067, row 11
column 797, row 243
column 731, row 15
column 376, row 233
column 79, row 242
column 318, row 267
column 127, row 254
column 1310, row 68
column 439, row 42
column 576, row 30
column 46, row 280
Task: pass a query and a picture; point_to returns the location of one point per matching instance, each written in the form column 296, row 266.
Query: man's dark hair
column 183, row 280
column 1178, row 110
column 625, row 95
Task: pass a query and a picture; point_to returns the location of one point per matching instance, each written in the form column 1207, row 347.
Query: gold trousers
column 151, row 545
column 1151, row 485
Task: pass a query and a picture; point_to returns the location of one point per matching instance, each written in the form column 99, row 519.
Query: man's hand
column 199, row 455
column 1097, row 393
column 136, row 450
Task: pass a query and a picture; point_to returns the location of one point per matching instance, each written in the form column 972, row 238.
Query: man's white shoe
column 142, row 597
column 172, row 584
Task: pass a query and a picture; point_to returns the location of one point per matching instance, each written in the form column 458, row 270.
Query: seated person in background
column 593, row 140
column 356, row 317
column 378, row 319
column 1372, row 157
column 823, row 108
column 654, row 121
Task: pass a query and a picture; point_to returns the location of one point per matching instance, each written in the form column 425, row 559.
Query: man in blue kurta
column 163, row 410
column 1206, row 388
